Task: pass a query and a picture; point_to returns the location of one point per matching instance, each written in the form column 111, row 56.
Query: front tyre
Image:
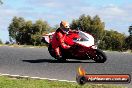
column 100, row 56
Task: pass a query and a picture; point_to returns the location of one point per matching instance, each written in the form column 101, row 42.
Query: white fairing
column 89, row 39
column 85, row 39
column 46, row 38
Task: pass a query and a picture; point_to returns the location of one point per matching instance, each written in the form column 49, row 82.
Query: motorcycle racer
column 59, row 38
column 68, row 44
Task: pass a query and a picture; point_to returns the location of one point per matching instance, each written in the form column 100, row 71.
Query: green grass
column 9, row 82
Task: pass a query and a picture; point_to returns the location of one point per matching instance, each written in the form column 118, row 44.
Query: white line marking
column 31, row 47
column 24, row 76
column 35, row 78
column 15, row 75
column 125, row 52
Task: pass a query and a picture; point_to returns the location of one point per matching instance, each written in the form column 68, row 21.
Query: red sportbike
column 82, row 48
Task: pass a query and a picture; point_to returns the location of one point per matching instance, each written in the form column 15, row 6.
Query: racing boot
column 58, row 54
column 58, row 57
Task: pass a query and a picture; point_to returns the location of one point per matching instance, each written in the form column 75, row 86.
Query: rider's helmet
column 64, row 26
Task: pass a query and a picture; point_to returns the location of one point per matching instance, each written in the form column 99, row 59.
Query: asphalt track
column 37, row 62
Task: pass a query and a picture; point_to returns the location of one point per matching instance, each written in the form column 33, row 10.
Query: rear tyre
column 52, row 53
column 61, row 59
column 100, row 56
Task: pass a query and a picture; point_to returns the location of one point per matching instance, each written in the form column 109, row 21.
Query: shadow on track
column 53, row 61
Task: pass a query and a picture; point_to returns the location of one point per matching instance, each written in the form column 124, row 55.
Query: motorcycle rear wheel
column 52, row 53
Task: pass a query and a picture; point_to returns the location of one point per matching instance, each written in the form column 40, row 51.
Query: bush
column 7, row 42
column 1, row 42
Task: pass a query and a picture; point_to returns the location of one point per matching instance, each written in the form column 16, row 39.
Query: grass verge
column 10, row 82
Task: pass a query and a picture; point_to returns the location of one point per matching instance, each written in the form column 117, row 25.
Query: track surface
column 37, row 62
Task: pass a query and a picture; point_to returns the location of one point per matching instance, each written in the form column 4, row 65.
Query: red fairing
column 69, row 38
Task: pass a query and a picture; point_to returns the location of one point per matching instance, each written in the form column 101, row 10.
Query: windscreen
column 83, row 37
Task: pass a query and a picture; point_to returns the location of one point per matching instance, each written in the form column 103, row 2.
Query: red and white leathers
column 58, row 40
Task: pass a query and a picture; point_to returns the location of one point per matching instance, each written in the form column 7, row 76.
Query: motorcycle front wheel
column 100, row 56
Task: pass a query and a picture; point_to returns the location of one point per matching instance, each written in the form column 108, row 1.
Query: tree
column 113, row 40
column 1, row 42
column 16, row 29
column 1, row 2
column 128, row 40
column 7, row 42
column 85, row 23
column 75, row 24
column 26, row 32
column 39, row 28
column 130, row 30
column 97, row 28
column 93, row 25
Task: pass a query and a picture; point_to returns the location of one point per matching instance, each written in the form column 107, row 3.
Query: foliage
column 113, row 40
column 15, row 28
column 39, row 28
column 1, row 2
column 130, row 30
column 128, row 40
column 26, row 32
column 7, row 42
column 1, row 42
column 106, row 39
column 91, row 25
